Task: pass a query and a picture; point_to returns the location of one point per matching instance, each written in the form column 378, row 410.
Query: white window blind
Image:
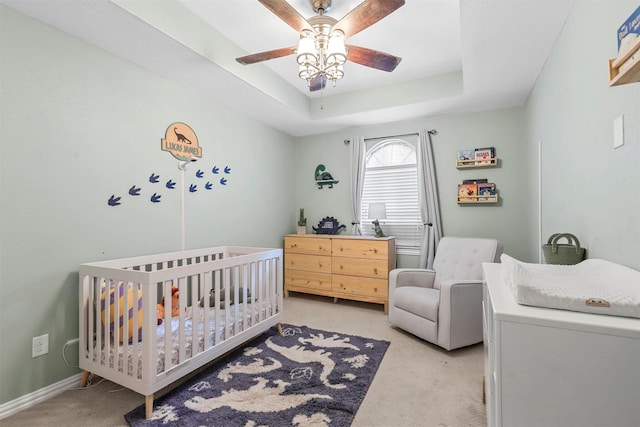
column 391, row 177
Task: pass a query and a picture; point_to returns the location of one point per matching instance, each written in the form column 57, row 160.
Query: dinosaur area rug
column 304, row 377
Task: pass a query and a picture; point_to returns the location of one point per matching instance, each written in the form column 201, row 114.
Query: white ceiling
column 457, row 56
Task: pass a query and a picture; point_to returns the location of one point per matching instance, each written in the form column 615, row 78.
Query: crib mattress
column 216, row 332
column 592, row 286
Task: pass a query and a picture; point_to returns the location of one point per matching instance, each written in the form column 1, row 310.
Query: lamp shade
column 377, row 211
column 307, row 53
column 336, row 51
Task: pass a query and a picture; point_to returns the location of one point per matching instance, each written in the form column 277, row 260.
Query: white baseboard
column 31, row 399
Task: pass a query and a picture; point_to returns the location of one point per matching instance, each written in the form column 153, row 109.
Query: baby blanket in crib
column 592, row 286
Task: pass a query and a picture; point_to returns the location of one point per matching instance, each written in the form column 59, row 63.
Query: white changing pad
column 592, row 286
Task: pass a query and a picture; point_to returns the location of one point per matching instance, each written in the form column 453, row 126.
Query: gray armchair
column 444, row 305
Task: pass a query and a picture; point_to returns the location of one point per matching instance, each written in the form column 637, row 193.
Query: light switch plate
column 618, row 132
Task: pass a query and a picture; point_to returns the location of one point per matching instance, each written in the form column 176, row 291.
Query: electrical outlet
column 40, row 345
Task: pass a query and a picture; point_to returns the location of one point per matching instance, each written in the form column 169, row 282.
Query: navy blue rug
column 305, row 377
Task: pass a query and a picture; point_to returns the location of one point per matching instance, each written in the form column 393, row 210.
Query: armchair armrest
column 460, row 313
column 400, row 277
column 411, row 277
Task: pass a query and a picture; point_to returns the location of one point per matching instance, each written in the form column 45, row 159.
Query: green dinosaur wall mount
column 324, row 178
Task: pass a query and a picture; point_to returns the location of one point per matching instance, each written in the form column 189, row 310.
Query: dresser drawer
column 361, row 248
column 374, row 268
column 314, row 263
column 307, row 280
column 307, row 245
column 362, row 286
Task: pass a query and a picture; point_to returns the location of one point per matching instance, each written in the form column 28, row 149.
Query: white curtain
column 429, row 204
column 358, row 150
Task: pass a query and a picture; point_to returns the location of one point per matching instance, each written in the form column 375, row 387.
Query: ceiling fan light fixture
column 321, row 52
column 306, row 72
column 307, row 54
column 336, row 50
column 334, row 73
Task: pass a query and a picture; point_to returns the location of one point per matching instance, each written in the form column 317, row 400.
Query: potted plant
column 302, row 223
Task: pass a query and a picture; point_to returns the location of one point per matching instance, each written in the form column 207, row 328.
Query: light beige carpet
column 418, row 384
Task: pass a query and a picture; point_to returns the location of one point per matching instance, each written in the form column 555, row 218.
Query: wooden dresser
column 348, row 267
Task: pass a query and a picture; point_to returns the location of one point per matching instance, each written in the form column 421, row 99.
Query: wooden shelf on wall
column 626, row 68
column 472, row 163
column 477, row 199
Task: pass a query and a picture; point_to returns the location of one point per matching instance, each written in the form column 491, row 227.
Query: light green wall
column 588, row 188
column 79, row 125
column 503, row 129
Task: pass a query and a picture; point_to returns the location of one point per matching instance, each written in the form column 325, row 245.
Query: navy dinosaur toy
column 329, row 225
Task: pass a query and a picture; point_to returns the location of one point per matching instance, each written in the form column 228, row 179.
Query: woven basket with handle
column 563, row 253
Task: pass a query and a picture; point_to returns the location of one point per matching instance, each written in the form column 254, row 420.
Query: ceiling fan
column 321, row 51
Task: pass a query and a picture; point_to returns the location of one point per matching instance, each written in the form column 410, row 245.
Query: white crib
column 120, row 340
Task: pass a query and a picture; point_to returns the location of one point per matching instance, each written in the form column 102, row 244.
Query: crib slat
column 166, row 293
column 149, row 357
column 254, row 295
column 227, row 311
column 182, row 297
column 235, row 278
column 194, row 292
column 219, row 331
column 245, row 294
column 207, row 286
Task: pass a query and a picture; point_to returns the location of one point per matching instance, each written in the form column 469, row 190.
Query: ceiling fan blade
column 265, row 56
column 288, row 14
column 366, row 14
column 318, row 83
column 372, row 58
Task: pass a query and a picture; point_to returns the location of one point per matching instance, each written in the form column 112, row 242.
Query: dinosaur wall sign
column 181, row 141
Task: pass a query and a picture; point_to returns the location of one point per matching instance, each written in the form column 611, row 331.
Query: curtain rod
column 430, row 132
column 392, row 136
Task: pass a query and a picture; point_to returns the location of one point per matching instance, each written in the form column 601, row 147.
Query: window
column 391, row 177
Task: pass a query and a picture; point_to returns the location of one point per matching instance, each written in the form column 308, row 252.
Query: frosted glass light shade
column 336, row 51
column 307, row 54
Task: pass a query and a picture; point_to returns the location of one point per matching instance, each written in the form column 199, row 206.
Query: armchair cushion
column 419, row 301
column 462, row 258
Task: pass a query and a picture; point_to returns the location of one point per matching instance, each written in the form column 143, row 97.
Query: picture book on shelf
column 467, row 192
column 485, row 156
column 464, row 155
column 487, row 192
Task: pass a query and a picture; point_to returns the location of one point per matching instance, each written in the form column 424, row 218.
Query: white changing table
column 547, row 367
